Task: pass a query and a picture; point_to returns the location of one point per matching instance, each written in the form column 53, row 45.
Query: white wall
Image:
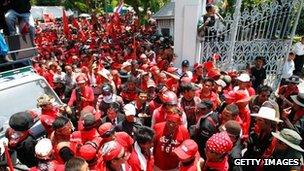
column 187, row 14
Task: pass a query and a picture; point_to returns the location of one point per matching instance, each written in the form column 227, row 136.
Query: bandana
column 220, row 143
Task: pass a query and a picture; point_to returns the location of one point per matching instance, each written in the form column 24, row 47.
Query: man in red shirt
column 48, row 112
column 217, row 148
column 141, row 157
column 207, row 93
column 189, row 102
column 168, row 136
column 241, row 99
column 82, row 95
column 169, row 100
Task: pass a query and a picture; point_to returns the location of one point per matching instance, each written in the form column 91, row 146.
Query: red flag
column 65, row 21
column 75, row 23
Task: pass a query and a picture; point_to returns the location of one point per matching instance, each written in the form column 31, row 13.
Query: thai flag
column 119, row 7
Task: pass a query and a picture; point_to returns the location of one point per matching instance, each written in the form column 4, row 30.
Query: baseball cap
column 129, row 110
column 105, row 128
column 244, row 77
column 88, row 151
column 185, row 63
column 186, row 150
column 43, row 148
column 89, row 121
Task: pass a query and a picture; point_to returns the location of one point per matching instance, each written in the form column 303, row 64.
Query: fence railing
column 265, row 31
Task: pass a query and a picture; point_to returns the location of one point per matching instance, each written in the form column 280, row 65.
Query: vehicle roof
column 17, row 77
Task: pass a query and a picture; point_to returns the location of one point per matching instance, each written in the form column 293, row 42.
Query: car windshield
column 22, row 97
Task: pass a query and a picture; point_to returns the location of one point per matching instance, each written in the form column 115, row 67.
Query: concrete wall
column 187, row 14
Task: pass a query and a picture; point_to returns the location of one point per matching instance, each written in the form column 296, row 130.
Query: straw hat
column 269, row 113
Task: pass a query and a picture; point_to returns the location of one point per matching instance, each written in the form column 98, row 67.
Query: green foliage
column 47, row 2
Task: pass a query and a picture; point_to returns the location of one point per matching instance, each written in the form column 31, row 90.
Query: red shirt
column 246, row 118
column 164, row 158
column 47, row 118
column 86, row 93
column 49, row 77
column 289, row 90
column 153, row 105
column 135, row 163
column 251, row 91
column 84, row 136
column 192, row 167
column 213, row 97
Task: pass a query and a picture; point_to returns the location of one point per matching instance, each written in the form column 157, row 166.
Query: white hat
column 267, row 113
column 143, row 56
column 105, row 74
column 43, row 148
column 221, row 83
column 129, row 110
column 244, row 77
column 126, row 64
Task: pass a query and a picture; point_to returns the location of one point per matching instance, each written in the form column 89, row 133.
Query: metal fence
column 265, row 31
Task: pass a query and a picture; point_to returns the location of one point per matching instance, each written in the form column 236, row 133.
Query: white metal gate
column 265, row 31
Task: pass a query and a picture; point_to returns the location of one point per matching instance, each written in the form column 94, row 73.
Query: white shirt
column 298, row 49
column 288, row 69
column 188, row 73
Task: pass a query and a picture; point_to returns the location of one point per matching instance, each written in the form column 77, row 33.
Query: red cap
column 81, row 79
column 84, row 69
column 186, row 150
column 237, row 96
column 208, row 65
column 186, row 80
column 172, row 70
column 104, row 128
column 116, row 66
column 241, row 96
column 169, row 97
column 198, row 65
column 88, row 151
column 154, row 69
column 220, row 143
column 111, row 150
column 230, row 96
column 214, row 74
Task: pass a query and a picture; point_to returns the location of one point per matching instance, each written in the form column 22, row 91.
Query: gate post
column 236, row 18
column 186, row 17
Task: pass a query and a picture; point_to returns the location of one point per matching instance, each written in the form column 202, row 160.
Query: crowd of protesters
column 129, row 108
